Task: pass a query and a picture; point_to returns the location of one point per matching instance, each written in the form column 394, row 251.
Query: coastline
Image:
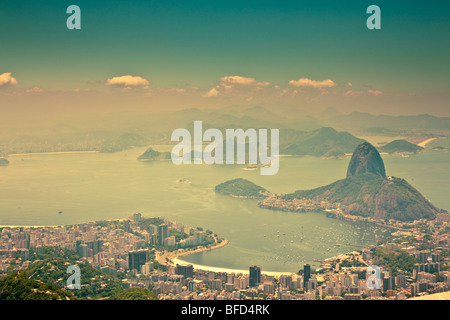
column 49, row 153
column 11, row 226
column 227, row 270
column 176, row 260
column 424, row 143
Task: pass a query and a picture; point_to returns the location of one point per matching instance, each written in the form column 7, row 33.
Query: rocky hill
column 366, row 191
column 366, row 159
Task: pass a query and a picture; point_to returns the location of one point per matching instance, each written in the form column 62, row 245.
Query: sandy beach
column 424, row 143
column 175, row 259
column 227, row 270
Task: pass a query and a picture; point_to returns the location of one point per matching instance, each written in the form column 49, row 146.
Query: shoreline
column 425, row 142
column 227, row 270
column 50, row 153
column 16, row 226
column 176, row 260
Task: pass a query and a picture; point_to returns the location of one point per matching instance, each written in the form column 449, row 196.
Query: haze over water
column 95, row 186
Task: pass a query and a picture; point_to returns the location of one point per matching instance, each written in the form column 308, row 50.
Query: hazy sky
column 176, row 54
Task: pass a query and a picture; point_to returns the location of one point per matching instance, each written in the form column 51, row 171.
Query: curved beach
column 176, row 260
column 227, row 270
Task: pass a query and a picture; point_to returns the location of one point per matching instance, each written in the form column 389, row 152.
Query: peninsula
column 366, row 192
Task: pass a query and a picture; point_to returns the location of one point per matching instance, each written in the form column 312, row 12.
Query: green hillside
column 94, row 283
column 17, row 286
column 134, row 294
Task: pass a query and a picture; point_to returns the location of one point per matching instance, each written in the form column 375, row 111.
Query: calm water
column 93, row 186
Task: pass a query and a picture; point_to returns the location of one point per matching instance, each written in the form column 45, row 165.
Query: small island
column 401, row 147
column 242, row 188
column 4, row 162
column 151, row 154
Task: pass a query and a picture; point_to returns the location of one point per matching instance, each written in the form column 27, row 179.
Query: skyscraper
column 95, row 246
column 162, row 233
column 137, row 258
column 306, row 274
column 126, row 226
column 185, row 271
column 137, row 217
column 83, row 250
column 255, row 276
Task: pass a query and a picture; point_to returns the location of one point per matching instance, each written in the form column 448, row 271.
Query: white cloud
column 375, row 92
column 305, row 82
column 128, row 81
column 6, row 79
column 351, row 93
column 172, row 90
column 211, row 93
column 34, row 90
column 237, row 80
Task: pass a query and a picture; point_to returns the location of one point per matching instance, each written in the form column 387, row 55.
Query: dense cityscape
column 413, row 264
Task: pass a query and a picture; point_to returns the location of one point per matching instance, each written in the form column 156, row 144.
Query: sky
column 160, row 55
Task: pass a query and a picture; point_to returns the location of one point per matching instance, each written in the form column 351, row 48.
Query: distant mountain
column 151, row 154
column 401, row 146
column 366, row 159
column 4, row 162
column 241, row 188
column 17, row 286
column 329, row 112
column 123, row 142
column 323, row 142
column 366, row 120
